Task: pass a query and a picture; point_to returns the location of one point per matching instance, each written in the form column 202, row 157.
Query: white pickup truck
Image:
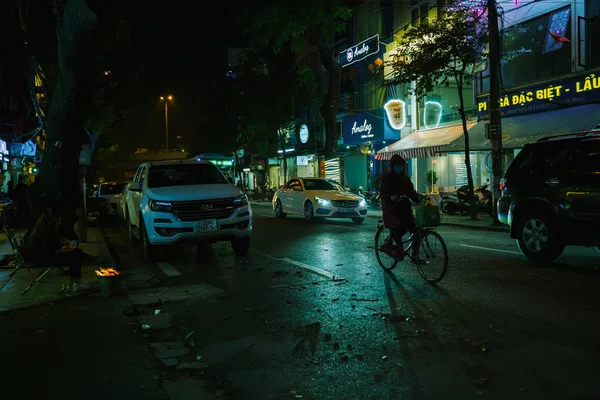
column 171, row 202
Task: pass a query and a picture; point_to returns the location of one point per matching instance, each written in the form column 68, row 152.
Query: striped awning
column 423, row 143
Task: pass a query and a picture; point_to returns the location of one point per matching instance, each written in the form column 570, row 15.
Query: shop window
column 542, row 60
column 414, row 17
column 559, row 22
column 425, row 14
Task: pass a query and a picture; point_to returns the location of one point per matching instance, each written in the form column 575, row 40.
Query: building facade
column 550, row 89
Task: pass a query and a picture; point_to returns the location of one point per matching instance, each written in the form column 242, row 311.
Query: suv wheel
column 149, row 250
column 240, row 245
column 538, row 237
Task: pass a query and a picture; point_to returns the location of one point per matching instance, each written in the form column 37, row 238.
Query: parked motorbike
column 458, row 202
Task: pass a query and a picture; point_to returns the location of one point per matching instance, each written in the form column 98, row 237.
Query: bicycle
column 424, row 238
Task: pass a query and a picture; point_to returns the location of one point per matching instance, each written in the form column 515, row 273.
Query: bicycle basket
column 427, row 215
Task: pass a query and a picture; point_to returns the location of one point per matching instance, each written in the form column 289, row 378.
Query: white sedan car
column 318, row 197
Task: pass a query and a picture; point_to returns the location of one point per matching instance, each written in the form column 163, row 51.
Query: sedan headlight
column 161, row 206
column 240, row 201
column 323, row 202
column 362, row 203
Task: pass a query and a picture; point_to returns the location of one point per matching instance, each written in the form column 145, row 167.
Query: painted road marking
column 329, row 226
column 168, row 269
column 490, row 249
column 316, row 270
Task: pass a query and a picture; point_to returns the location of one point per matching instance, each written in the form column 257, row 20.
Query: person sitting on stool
column 53, row 243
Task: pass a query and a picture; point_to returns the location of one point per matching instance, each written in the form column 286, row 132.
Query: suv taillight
column 502, row 184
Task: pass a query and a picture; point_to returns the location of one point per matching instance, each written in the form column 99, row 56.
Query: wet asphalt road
column 309, row 312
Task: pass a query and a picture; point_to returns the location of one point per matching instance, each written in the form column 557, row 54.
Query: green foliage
column 449, row 50
column 432, row 177
column 290, row 25
column 442, row 52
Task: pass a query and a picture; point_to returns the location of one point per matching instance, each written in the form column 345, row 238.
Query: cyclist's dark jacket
column 400, row 185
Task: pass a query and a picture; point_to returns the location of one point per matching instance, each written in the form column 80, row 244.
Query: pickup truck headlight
column 162, row 206
column 240, row 201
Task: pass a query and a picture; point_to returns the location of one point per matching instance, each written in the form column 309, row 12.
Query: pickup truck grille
column 345, row 203
column 195, row 210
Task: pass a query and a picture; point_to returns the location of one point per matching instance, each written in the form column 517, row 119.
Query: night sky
column 176, row 48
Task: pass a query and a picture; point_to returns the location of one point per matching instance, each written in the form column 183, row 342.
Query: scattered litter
column 198, row 358
column 189, row 335
column 338, row 265
column 336, row 299
column 145, row 326
column 156, row 312
column 384, row 358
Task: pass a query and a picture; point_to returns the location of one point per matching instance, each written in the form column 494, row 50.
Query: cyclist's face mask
column 399, row 169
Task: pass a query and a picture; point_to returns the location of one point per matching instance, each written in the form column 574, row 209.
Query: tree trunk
column 332, row 99
column 58, row 179
column 463, row 117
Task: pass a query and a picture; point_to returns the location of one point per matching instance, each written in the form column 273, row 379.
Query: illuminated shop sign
column 432, row 115
column 372, row 126
column 396, row 113
column 543, row 97
column 4, row 151
column 359, row 51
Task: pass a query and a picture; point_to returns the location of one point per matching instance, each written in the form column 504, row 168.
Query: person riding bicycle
column 397, row 215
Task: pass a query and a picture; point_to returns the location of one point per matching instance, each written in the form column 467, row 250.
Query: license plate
column 207, row 225
column 346, row 210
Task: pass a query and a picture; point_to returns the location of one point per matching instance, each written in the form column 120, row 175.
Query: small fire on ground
column 107, row 272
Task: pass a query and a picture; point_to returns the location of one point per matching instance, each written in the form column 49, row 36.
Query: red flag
column 558, row 38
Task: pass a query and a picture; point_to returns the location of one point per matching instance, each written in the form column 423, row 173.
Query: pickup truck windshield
column 184, row 174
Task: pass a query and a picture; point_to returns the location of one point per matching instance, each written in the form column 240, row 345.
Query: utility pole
column 495, row 116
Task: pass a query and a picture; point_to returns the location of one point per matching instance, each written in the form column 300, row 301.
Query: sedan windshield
column 110, row 189
column 320, row 184
column 184, row 174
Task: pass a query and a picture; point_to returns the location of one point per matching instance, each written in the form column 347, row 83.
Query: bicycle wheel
column 432, row 257
column 385, row 261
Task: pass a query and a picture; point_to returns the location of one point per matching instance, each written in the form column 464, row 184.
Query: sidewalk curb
column 40, row 303
column 110, row 261
column 452, row 224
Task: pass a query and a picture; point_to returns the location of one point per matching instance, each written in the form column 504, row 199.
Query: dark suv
column 551, row 195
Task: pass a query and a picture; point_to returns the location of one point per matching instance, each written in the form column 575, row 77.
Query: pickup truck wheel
column 149, row 250
column 130, row 230
column 240, row 246
column 539, row 237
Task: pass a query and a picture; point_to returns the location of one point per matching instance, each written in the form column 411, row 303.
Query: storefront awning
column 520, row 130
column 423, row 143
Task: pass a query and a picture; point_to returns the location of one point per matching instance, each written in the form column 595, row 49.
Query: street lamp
column 166, row 100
